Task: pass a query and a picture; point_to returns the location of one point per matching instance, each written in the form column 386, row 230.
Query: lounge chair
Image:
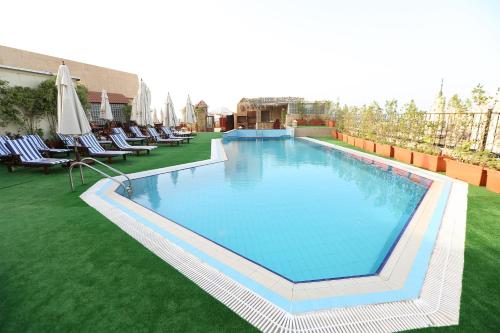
column 92, row 148
column 4, row 151
column 68, row 141
column 121, row 144
column 24, row 154
column 4, row 138
column 169, row 134
column 155, row 137
column 36, row 141
column 119, row 130
column 136, row 132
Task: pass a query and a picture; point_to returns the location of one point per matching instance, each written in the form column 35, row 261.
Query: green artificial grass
column 66, row 268
column 480, row 303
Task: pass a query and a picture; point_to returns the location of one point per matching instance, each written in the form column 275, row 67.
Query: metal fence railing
column 445, row 129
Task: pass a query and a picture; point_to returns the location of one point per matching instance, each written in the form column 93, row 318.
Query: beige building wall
column 95, row 78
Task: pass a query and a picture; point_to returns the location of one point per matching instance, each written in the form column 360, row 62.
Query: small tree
column 387, row 129
column 460, row 121
column 26, row 115
column 46, row 102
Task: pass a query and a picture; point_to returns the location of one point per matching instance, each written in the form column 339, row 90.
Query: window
column 116, row 110
column 265, row 116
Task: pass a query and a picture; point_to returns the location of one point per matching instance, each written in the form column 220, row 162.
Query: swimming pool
column 301, row 235
column 300, row 210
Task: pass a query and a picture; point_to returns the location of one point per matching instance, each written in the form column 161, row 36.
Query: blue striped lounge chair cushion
column 29, row 155
column 4, row 151
column 89, row 141
column 68, row 140
column 153, row 132
column 137, row 132
column 167, row 131
column 24, row 149
column 119, row 141
column 119, row 130
column 36, row 142
column 4, row 138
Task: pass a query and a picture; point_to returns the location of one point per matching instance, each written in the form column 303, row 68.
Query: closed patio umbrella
column 170, row 119
column 189, row 116
column 141, row 107
column 71, row 118
column 105, row 110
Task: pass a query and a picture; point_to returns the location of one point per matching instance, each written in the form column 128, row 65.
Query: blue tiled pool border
column 410, row 290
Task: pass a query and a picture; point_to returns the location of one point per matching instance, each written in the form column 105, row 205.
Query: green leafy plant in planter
column 468, row 165
column 493, row 179
column 463, row 153
column 459, row 123
column 386, row 129
column 340, row 118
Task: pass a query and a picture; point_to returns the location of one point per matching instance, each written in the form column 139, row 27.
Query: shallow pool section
column 300, row 210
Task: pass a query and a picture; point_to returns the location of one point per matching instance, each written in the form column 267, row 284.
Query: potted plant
column 403, row 154
column 359, row 142
column 429, row 157
column 467, row 165
column 493, row 175
column 351, row 140
column 384, row 148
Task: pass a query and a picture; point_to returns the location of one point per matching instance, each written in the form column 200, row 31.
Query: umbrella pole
column 77, row 157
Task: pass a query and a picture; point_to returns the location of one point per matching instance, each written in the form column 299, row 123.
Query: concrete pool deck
column 394, row 298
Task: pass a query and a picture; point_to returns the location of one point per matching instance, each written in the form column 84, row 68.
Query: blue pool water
column 301, row 210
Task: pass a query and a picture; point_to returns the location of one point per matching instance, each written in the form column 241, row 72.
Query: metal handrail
column 128, row 188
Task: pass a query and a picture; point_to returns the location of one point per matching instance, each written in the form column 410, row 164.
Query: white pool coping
column 438, row 302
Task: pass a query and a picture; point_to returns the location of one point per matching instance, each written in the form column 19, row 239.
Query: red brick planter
column 340, row 136
column 360, row 143
column 429, row 162
column 345, row 138
column 384, row 150
column 493, row 180
column 351, row 140
column 330, row 123
column 369, row 146
column 316, row 122
column 472, row 174
column 403, row 155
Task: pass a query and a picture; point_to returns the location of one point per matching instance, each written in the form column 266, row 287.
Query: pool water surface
column 301, row 210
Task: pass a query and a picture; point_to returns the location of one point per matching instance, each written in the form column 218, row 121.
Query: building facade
column 276, row 112
column 29, row 69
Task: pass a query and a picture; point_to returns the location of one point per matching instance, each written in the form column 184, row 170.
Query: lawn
column 480, row 305
column 64, row 267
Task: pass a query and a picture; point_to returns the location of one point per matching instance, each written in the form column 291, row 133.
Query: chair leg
column 124, row 157
column 110, row 159
column 45, row 169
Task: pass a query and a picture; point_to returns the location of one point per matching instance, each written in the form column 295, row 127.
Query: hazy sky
column 221, row 51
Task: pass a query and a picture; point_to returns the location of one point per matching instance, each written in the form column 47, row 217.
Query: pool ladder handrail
column 128, row 188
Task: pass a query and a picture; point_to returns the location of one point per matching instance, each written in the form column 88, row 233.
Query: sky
column 220, row 51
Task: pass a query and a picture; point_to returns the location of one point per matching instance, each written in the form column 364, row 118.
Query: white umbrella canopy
column 141, row 107
column 105, row 110
column 189, row 116
column 71, row 118
column 170, row 118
